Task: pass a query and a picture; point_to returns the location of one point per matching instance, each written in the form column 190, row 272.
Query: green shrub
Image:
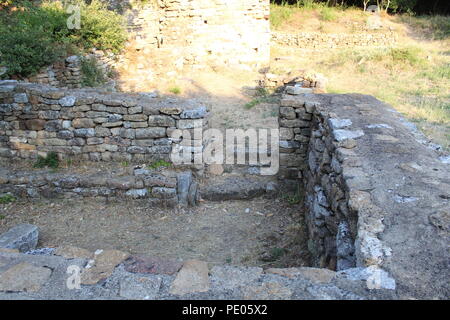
column 7, row 198
column 34, row 36
column 175, row 90
column 29, row 39
column 100, row 28
column 410, row 55
column 92, row 75
column 328, row 14
column 159, row 164
column 50, row 161
column 280, row 14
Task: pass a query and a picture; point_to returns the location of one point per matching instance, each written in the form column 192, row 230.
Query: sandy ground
column 269, row 234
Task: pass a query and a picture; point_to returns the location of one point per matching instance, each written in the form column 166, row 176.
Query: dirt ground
column 269, row 234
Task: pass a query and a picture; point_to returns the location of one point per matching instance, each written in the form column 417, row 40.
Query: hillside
column 412, row 73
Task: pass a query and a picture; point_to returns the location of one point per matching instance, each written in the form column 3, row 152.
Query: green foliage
column 159, row 164
column 100, row 27
column 175, row 90
column 7, row 198
column 262, row 95
column 34, row 36
column 93, row 76
column 410, row 55
column 277, row 253
column 50, row 161
column 328, row 14
column 436, row 26
column 29, row 39
column 279, row 14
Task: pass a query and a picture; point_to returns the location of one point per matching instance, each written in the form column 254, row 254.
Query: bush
column 100, row 28
column 34, row 36
column 328, row 14
column 50, row 161
column 29, row 39
column 93, row 76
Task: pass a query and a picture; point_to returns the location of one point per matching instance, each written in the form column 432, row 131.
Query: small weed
column 125, row 163
column 175, row 90
column 2, row 217
column 277, row 253
column 50, row 161
column 261, row 95
column 7, row 198
column 253, row 103
column 228, row 260
column 328, row 14
column 293, row 198
column 158, row 164
column 93, row 76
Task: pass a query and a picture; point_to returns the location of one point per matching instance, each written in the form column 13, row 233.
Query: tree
column 365, row 3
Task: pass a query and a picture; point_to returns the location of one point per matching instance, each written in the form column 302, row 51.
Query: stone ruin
column 375, row 190
column 369, row 179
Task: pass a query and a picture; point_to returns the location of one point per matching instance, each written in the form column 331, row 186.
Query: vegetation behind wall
column 35, row 35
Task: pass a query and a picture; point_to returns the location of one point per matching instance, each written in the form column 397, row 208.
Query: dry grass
column 413, row 76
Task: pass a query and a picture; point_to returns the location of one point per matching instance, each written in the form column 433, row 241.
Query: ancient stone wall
column 66, row 73
column 338, row 149
column 320, row 40
column 37, row 119
column 198, row 32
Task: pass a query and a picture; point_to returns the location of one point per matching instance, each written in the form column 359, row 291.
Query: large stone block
column 145, row 133
column 23, row 237
column 161, row 121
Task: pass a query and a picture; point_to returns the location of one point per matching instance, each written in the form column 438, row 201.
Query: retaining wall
column 320, row 40
column 37, row 119
column 376, row 190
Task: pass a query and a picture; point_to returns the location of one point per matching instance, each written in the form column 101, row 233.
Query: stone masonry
column 37, row 119
column 372, row 183
column 197, row 31
column 320, row 40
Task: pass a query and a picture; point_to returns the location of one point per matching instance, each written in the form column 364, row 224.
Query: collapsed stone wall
column 37, row 119
column 64, row 73
column 68, row 73
column 319, row 40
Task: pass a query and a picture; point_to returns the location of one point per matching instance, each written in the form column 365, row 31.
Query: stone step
column 231, row 187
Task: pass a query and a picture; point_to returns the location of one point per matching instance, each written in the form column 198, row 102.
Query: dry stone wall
column 65, row 73
column 37, row 119
column 319, row 40
column 197, row 32
column 368, row 175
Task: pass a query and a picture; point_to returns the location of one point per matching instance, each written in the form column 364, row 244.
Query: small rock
column 23, row 237
column 193, row 277
column 140, row 288
column 68, row 101
column 228, row 277
column 318, row 275
column 24, row 277
column 104, row 265
column 70, row 252
column 152, row 265
column 341, row 135
column 197, row 113
column 267, row 291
